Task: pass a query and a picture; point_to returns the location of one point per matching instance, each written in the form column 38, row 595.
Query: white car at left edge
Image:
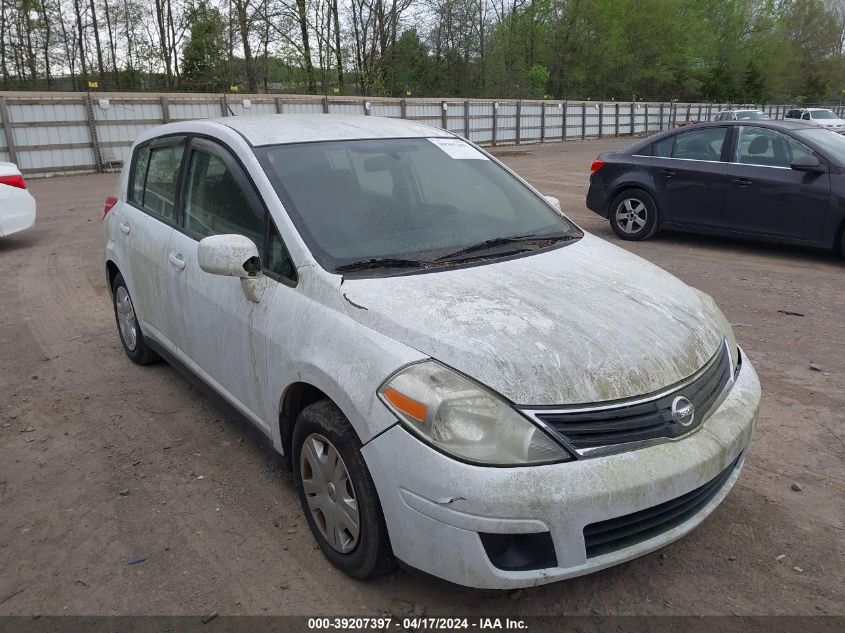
column 17, row 206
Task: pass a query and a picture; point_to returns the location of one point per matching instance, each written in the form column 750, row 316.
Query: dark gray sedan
column 781, row 181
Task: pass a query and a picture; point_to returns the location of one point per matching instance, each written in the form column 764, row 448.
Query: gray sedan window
column 768, row 148
column 700, row 144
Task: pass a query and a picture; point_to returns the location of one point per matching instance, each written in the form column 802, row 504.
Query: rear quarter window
column 664, row 147
column 139, row 174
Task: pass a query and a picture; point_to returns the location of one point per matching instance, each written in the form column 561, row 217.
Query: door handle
column 741, row 182
column 177, row 260
column 667, row 172
column 125, row 228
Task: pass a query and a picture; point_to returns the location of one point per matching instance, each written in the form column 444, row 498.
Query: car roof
column 785, row 124
column 741, row 110
column 276, row 129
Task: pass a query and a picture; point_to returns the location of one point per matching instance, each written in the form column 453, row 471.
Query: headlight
column 464, row 419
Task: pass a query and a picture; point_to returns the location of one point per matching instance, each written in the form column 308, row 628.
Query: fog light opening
column 520, row 552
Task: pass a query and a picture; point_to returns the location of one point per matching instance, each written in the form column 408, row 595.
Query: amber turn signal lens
column 406, row 405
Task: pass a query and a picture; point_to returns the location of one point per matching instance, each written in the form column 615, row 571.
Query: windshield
column 831, row 143
column 407, row 202
column 750, row 115
column 823, row 114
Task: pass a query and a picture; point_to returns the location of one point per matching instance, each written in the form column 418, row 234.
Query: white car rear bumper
column 17, row 210
column 435, row 507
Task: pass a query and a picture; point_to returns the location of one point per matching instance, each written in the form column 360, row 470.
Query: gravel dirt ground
column 103, row 462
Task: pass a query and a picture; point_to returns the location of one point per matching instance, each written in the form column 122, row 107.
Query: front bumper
column 435, row 507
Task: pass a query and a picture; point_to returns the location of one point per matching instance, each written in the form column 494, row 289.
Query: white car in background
column 17, row 206
column 821, row 117
column 461, row 377
column 741, row 115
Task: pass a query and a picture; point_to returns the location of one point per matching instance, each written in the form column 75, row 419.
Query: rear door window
column 700, row 144
column 162, row 181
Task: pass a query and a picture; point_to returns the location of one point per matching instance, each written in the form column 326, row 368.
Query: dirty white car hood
column 584, row 323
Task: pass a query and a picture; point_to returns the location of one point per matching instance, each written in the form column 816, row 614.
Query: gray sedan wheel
column 633, row 215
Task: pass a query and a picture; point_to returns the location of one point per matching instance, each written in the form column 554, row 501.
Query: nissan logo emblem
column 683, row 411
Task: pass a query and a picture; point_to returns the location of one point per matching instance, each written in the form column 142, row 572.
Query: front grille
column 589, row 429
column 615, row 534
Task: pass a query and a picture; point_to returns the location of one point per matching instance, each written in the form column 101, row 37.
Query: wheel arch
column 112, row 271
column 296, row 397
column 839, row 238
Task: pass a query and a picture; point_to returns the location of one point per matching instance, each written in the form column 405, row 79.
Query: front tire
column 633, row 215
column 337, row 493
column 130, row 333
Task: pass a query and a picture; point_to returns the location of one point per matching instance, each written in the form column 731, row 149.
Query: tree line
column 655, row 50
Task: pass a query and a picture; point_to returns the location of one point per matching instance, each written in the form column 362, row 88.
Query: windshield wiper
column 526, row 240
column 381, row 262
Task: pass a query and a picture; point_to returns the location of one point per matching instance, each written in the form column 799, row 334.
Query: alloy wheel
column 631, row 215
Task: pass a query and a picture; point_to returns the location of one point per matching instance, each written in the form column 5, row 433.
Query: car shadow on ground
column 729, row 245
column 18, row 241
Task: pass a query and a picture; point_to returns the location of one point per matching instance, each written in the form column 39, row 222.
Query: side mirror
column 553, row 201
column 229, row 255
column 234, row 256
column 807, row 163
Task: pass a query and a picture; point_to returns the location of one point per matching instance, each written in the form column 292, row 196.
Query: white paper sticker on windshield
column 456, row 148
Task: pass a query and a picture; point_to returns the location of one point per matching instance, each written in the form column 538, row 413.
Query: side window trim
column 728, row 144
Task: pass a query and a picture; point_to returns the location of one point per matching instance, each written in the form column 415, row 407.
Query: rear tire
column 134, row 343
column 633, row 215
column 337, row 494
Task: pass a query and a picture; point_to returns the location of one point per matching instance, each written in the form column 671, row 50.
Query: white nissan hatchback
column 460, row 377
